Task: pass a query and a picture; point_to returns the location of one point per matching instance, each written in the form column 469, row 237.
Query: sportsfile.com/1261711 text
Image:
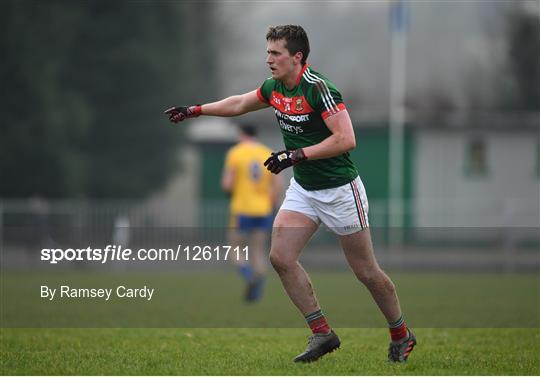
column 118, row 253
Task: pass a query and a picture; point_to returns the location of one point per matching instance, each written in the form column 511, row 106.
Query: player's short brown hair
column 295, row 37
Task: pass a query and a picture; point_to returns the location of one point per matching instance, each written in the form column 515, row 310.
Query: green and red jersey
column 300, row 113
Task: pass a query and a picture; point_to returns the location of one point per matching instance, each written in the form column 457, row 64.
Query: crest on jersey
column 288, row 102
column 299, row 104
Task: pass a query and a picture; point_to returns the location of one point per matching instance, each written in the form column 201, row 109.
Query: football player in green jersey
column 318, row 134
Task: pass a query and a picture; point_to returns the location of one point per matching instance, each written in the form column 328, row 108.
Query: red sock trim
column 398, row 332
column 319, row 326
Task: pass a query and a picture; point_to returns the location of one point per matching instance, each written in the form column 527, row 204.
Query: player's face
column 279, row 60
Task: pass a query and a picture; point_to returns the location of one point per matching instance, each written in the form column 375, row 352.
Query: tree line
column 84, row 88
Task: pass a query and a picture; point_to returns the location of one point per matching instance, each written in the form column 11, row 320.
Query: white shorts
column 342, row 209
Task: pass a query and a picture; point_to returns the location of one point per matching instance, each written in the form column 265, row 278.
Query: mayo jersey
column 300, row 113
column 252, row 187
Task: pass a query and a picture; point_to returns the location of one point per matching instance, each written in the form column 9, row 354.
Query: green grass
column 190, row 299
column 262, row 352
column 197, row 324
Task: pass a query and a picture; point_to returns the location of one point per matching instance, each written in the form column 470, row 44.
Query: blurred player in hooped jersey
column 254, row 194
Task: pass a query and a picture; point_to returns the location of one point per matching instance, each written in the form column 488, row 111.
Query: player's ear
column 298, row 57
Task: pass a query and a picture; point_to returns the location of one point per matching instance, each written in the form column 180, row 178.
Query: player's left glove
column 178, row 114
column 284, row 159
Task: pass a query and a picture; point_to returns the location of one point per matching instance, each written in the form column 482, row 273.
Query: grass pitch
column 207, row 330
column 190, row 299
column 262, row 352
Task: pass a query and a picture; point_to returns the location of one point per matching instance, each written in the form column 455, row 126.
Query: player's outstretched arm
column 228, row 107
column 342, row 140
column 234, row 105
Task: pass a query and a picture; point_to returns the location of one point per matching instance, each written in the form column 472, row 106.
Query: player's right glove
column 180, row 113
column 284, row 159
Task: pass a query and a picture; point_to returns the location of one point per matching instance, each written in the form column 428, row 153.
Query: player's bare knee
column 280, row 262
column 366, row 278
column 276, row 261
column 370, row 275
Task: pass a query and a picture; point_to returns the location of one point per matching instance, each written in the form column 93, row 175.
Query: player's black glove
column 180, row 113
column 284, row 159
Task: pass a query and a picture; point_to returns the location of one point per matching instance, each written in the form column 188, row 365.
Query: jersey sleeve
column 265, row 90
column 327, row 99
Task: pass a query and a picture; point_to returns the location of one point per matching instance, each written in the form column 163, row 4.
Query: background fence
column 27, row 226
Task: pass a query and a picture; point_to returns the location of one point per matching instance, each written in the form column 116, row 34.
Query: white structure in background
column 477, row 178
column 212, row 129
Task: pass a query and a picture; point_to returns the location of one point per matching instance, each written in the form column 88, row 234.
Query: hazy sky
column 454, row 47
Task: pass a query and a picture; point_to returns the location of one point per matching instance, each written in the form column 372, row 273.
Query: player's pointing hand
column 180, row 113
